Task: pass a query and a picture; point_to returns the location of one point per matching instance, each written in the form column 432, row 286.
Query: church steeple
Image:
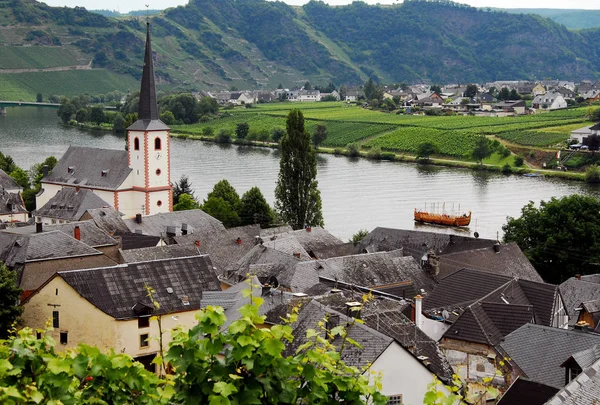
column 148, row 118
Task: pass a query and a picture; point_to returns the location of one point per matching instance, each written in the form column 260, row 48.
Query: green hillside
column 576, row 19
column 254, row 44
column 25, row 86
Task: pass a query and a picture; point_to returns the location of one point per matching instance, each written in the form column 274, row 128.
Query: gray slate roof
column 584, row 390
column 7, row 182
column 417, row 243
column 586, row 358
column 158, row 253
column 90, row 234
column 11, row 203
column 262, row 262
column 541, row 350
column 575, row 291
column 509, row 261
column 222, row 244
column 70, row 204
column 107, row 219
column 87, row 166
column 372, row 343
column 198, row 220
column 116, row 290
column 317, row 238
column 525, row 392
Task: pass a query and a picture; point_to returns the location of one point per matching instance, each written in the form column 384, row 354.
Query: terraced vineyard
column 532, row 138
column 35, row 57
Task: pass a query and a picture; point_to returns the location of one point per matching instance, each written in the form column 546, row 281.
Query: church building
column 136, row 181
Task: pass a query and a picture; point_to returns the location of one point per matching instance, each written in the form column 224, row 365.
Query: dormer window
column 136, row 143
column 157, row 143
column 71, row 169
column 105, row 173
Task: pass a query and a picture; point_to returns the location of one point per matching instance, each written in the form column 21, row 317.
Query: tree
column 471, row 90
column 504, row 94
column 561, row 238
column 39, row 98
column 592, row 142
column 9, row 296
column 66, row 110
column 307, row 86
column 20, row 177
column 277, row 134
column 182, row 186
column 7, row 164
column 168, row 118
column 81, row 115
column 220, row 209
column 427, row 149
column 358, row 236
column 297, row 195
column 186, row 202
column 513, row 95
column 118, row 123
column 372, row 91
column 241, row 130
column 436, row 89
column 594, row 114
column 224, row 136
column 254, row 209
column 319, row 135
column 97, row 114
column 482, row 149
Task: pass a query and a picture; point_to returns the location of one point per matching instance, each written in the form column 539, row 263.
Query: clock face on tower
column 158, row 156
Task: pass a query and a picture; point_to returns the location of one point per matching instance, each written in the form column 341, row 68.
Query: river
column 356, row 193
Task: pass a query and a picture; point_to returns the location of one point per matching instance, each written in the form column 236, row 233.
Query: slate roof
column 222, row 244
column 417, row 243
column 509, row 261
column 346, row 249
column 116, row 290
column 541, row 350
column 156, row 225
column 11, row 203
column 107, row 219
column 465, row 287
column 20, row 249
column 158, row 253
column 81, row 166
column 7, row 182
column 368, row 270
column 289, row 245
column 575, row 291
column 583, row 390
column 317, row 238
column 70, row 204
column 268, row 232
column 526, row 392
column 386, row 316
column 131, row 240
column 585, row 358
column 90, row 234
column 372, row 343
column 263, row 262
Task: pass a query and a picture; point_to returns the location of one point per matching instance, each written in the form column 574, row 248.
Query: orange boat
column 443, row 219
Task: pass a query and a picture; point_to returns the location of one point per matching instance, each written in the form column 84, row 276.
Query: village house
column 12, row 207
column 525, row 391
column 136, row 181
column 578, row 289
column 591, row 96
column 568, row 94
column 353, row 95
column 538, row 89
column 584, row 388
column 68, row 205
column 511, row 106
column 432, row 100
column 549, row 101
column 110, row 307
column 580, row 134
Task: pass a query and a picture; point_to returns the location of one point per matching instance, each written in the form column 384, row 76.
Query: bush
column 519, row 161
column 208, row 131
column 506, row 169
column 353, row 149
column 387, row 156
column 374, row 153
column 592, row 174
column 338, row 151
column 224, row 136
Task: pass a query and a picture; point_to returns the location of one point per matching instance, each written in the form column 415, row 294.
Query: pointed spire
column 148, row 117
column 148, row 108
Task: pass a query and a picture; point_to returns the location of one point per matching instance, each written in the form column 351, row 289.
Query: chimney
column 497, row 247
column 138, row 218
column 197, row 243
column 46, row 170
column 308, row 228
column 578, row 276
column 419, row 311
column 238, row 241
column 184, row 229
column 39, row 227
column 171, row 231
column 353, row 309
column 77, row 233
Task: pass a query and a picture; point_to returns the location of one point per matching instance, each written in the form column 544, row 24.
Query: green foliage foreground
column 244, row 364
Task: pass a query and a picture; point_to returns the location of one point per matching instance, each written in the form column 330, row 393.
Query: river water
column 356, row 193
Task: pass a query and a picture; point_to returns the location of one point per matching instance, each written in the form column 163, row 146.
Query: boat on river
column 443, row 218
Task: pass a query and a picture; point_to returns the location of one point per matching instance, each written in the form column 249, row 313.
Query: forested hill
column 217, row 44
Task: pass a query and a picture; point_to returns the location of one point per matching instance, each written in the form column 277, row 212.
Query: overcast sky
column 125, row 7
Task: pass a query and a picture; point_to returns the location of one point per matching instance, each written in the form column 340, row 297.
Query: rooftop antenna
column 147, row 13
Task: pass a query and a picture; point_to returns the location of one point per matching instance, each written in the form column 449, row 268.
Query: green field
column 35, row 57
column 25, row 86
column 455, row 135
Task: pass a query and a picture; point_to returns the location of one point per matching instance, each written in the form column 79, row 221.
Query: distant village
column 486, row 100
column 105, row 230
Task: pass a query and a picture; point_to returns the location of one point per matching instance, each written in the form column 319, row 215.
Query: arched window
column 136, row 143
column 157, row 143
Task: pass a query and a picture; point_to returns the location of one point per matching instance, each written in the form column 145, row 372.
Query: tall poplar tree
column 298, row 199
column 9, row 296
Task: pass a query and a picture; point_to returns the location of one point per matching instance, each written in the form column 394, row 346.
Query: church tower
column 148, row 144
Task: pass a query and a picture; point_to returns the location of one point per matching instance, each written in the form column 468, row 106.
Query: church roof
column 148, row 118
column 91, row 167
column 70, row 204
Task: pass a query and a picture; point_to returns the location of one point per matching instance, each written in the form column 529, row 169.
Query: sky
column 129, row 5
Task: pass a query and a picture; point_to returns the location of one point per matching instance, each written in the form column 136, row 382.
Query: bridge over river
column 5, row 104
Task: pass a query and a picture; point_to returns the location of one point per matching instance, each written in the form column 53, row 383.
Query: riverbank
column 401, row 157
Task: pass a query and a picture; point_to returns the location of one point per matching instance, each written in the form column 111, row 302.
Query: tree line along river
column 356, row 193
